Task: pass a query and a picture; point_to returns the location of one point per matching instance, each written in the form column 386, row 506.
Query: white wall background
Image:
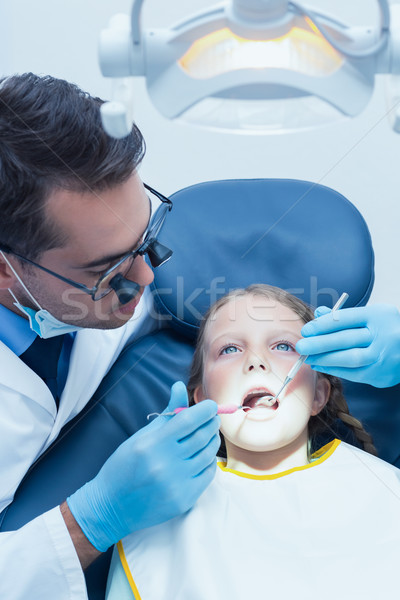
column 359, row 158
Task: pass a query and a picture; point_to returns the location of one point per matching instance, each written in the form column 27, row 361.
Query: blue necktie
column 42, row 356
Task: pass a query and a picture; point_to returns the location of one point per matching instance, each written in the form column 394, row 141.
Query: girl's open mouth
column 259, row 398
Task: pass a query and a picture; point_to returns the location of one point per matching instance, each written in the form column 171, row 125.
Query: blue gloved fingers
column 207, row 455
column 185, row 423
column 178, row 396
column 200, row 440
column 208, row 473
column 352, row 358
column 369, row 353
column 339, row 340
column 201, row 481
column 345, row 318
column 321, row 310
column 204, row 460
column 351, row 374
column 149, row 478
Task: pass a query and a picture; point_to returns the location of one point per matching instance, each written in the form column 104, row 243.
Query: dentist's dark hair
column 51, row 137
column 336, row 407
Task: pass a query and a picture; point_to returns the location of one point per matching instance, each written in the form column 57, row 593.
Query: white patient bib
column 329, row 530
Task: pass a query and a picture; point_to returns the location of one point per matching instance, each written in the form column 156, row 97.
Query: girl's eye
column 229, row 350
column 284, row 347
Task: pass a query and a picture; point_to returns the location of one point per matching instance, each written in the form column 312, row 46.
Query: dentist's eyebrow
column 105, row 260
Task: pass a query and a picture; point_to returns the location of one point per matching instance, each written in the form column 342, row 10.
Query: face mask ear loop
column 21, row 282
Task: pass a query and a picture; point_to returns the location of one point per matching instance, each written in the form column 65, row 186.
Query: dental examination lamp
column 248, row 65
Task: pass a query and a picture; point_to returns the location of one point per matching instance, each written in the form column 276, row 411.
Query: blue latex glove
column 155, row 475
column 359, row 344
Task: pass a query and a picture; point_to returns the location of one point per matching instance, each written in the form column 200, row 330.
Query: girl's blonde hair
column 335, row 408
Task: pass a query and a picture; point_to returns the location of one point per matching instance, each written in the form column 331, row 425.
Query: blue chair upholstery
column 300, row 236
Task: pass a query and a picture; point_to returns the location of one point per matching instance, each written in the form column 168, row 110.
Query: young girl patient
column 277, row 522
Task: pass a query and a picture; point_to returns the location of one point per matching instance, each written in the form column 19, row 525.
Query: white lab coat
column 39, row 560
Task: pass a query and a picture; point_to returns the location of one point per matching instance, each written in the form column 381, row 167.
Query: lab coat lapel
column 29, row 421
column 16, row 376
column 92, row 354
column 28, row 413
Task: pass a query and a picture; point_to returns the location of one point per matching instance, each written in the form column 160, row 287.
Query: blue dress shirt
column 15, row 331
column 16, row 334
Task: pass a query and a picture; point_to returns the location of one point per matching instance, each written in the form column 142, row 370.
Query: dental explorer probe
column 293, row 371
column 222, row 410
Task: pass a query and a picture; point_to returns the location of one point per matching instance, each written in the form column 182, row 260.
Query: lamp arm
column 373, row 49
column 136, row 21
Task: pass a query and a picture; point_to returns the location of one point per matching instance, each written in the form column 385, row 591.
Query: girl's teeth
column 269, row 400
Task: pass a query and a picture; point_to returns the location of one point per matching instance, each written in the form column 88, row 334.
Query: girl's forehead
column 253, row 312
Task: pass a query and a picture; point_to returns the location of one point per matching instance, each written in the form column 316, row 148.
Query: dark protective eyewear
column 114, row 277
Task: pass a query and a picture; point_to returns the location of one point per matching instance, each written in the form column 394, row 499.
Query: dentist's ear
column 7, row 277
column 198, row 395
column 322, row 393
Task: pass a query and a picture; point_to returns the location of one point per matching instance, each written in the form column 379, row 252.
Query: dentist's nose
column 140, row 272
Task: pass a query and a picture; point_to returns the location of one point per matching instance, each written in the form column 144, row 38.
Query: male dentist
column 74, row 225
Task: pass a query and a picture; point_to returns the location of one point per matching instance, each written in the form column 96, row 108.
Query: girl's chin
column 252, row 444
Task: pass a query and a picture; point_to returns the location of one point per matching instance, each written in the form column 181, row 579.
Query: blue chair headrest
column 297, row 235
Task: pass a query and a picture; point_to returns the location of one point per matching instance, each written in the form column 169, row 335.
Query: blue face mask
column 41, row 321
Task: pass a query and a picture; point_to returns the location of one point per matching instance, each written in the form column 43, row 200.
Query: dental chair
column 303, row 237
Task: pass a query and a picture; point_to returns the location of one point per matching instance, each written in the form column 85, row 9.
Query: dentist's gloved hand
column 359, row 344
column 155, row 475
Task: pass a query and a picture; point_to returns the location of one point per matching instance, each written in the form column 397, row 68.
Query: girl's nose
column 256, row 363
